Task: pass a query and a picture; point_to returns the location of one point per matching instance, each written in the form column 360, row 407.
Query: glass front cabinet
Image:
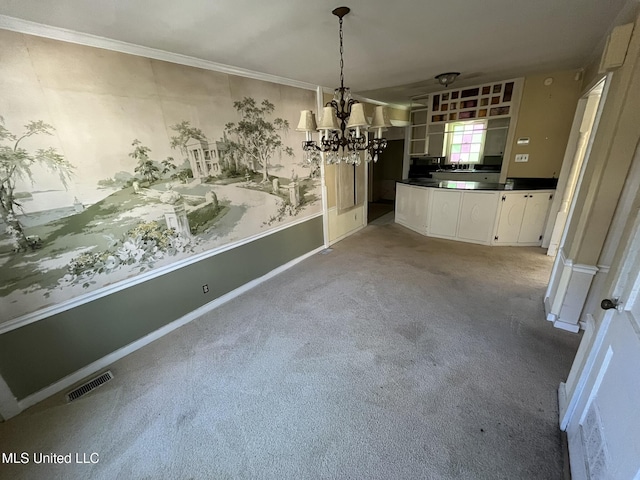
column 491, row 105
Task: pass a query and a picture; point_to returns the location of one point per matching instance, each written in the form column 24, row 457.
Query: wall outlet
column 205, row 288
column 522, row 157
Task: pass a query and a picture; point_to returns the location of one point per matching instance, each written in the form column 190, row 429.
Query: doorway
column 383, row 176
column 584, row 126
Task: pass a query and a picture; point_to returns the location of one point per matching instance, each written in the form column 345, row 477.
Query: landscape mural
column 112, row 165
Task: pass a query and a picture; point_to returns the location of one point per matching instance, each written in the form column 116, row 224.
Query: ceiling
column 392, row 50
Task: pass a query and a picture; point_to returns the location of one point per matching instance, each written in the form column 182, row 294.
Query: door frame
column 576, row 143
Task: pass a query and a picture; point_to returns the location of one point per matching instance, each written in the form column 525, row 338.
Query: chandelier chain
column 341, row 59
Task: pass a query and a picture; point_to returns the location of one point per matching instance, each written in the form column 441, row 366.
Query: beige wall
column 545, row 116
column 614, row 144
column 344, row 217
column 589, row 236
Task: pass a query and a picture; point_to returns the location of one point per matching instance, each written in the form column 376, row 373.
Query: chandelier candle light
column 344, row 129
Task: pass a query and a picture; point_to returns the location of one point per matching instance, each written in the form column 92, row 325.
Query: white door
column 604, row 430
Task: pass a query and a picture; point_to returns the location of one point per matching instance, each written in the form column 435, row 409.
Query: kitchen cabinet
column 468, row 103
column 522, row 217
column 412, row 207
column 496, row 103
column 443, row 214
column 489, row 217
column 435, row 141
column 477, row 216
column 418, row 143
column 496, row 139
column 468, row 216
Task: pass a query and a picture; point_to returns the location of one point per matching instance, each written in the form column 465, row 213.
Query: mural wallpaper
column 112, row 165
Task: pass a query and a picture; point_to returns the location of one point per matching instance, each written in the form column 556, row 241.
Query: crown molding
column 47, row 31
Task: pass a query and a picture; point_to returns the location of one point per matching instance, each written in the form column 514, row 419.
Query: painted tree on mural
column 256, row 139
column 16, row 163
column 146, row 167
column 185, row 132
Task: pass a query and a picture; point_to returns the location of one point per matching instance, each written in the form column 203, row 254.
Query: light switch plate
column 522, row 157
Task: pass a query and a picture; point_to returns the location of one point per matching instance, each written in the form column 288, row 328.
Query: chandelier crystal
column 344, row 128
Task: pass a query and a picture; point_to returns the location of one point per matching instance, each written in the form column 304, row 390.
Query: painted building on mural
column 204, row 158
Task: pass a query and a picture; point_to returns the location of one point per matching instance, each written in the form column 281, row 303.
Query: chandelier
column 343, row 126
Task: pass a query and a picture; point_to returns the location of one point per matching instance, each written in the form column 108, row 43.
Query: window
column 464, row 141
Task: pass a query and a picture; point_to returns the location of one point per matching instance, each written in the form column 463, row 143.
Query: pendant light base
column 341, row 11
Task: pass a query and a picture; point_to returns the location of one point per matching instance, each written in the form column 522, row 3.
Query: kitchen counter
column 545, row 184
column 477, row 212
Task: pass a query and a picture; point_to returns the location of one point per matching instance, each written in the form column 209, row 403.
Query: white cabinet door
column 403, row 199
column 443, row 218
column 412, row 205
column 419, row 208
column 512, row 206
column 477, row 216
column 534, row 218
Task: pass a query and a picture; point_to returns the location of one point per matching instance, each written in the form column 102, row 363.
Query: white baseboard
column 563, row 402
column 569, row 327
column 577, row 460
column 11, row 409
column 348, row 234
column 411, row 227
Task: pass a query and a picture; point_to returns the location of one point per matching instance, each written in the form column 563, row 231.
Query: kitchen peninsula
column 476, row 212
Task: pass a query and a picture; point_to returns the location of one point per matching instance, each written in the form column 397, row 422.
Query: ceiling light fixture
column 343, row 125
column 446, row 79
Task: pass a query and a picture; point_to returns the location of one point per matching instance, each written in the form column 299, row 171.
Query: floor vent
column 90, row 385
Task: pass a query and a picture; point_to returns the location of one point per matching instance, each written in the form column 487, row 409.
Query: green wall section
column 41, row 353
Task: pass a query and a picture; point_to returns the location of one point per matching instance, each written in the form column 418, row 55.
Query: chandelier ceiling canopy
column 446, row 79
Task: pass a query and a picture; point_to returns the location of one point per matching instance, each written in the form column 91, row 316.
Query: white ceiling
column 392, row 49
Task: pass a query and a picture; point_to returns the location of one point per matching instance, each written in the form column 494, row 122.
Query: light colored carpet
column 394, row 356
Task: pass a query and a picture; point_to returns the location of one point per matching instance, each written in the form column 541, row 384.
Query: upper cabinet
column 485, row 101
column 419, row 131
column 495, row 103
column 496, row 139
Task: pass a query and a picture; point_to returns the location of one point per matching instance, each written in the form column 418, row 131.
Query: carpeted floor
column 379, row 208
column 393, row 356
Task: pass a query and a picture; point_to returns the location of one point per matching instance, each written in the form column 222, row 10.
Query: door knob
column 607, row 304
